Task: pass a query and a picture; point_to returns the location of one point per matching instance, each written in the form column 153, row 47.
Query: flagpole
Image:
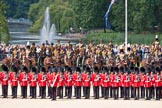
column 126, row 25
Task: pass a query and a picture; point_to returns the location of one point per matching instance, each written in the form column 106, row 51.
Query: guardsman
column 29, row 76
column 142, row 75
column 131, row 82
column 23, row 79
column 61, row 82
column 78, row 83
column 126, row 84
column 147, row 84
column 87, row 82
column 54, row 79
column 4, row 80
column 157, row 83
column 116, row 82
column 42, row 81
column 69, row 82
column 74, row 83
column 83, row 77
column 111, row 81
column 33, row 82
column 121, row 71
column 48, row 80
column 106, row 82
column 96, row 82
column 102, row 74
column 136, row 83
column 14, row 82
column 10, row 75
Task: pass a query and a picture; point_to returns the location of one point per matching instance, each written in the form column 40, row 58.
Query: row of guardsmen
column 113, row 82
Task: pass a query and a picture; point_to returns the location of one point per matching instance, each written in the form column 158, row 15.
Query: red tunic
column 54, row 79
column 121, row 80
column 10, row 75
column 13, row 79
column 42, row 80
column 96, row 79
column 147, row 80
column 61, row 80
column 136, row 80
column 157, row 81
column 83, row 77
column 126, row 81
column 23, row 79
column 29, row 76
column 4, row 78
column 33, row 80
column 105, row 80
column 78, row 80
column 69, row 80
column 87, row 80
column 48, row 78
column 111, row 79
column 116, row 81
column 132, row 78
column 74, row 78
column 142, row 80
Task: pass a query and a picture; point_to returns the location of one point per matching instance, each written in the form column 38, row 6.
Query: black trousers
column 78, row 92
column 5, row 91
column 111, row 92
column 126, row 92
column 136, row 92
column 33, row 91
column 84, row 91
column 69, row 92
column 14, row 91
column 132, row 93
column 87, row 92
column 24, row 91
column 40, row 91
column 152, row 91
column 30, row 91
column 60, row 92
column 142, row 92
column 106, row 92
column 158, row 93
column 49, row 91
column 66, row 90
column 121, row 92
column 43, row 91
column 102, row 92
column 116, row 92
column 53, row 92
column 75, row 92
column 96, row 92
column 148, row 93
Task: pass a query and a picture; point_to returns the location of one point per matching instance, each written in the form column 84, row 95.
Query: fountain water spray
column 48, row 32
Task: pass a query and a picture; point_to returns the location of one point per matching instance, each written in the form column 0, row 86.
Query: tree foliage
column 143, row 15
column 18, row 8
column 4, row 34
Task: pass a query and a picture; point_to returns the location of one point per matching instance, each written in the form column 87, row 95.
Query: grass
column 119, row 37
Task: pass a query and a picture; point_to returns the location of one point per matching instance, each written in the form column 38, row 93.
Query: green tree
column 4, row 34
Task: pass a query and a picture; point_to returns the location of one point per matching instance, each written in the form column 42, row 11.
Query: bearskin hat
column 78, row 69
column 142, row 70
column 34, row 69
column 5, row 68
column 43, row 69
column 95, row 69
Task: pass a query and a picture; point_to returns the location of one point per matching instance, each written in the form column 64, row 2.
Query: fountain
column 48, row 32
